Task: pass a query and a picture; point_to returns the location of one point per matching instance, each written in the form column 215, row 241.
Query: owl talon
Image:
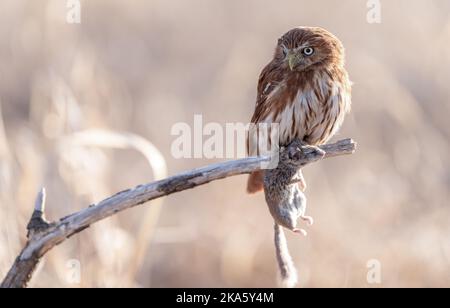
column 300, row 231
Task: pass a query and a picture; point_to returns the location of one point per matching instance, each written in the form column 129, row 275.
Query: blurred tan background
column 75, row 97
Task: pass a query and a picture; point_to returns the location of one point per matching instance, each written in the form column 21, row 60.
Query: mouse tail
column 288, row 271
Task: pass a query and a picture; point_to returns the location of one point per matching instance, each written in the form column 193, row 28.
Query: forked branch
column 43, row 236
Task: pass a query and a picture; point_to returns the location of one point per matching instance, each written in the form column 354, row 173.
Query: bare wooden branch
column 43, row 236
column 38, row 222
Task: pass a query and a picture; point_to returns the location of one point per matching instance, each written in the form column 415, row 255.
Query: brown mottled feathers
column 308, row 101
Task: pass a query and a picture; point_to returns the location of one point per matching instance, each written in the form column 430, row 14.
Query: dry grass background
column 140, row 67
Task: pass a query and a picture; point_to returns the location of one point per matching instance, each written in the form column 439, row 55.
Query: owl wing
column 269, row 79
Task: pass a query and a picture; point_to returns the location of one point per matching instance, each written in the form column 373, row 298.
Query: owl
column 305, row 89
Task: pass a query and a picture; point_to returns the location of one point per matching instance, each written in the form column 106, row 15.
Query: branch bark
column 43, row 236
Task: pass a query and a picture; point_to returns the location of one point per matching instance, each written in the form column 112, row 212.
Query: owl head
column 306, row 48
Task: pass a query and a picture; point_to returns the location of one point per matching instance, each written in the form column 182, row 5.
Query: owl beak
column 293, row 60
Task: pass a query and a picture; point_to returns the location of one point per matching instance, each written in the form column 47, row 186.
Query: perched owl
column 305, row 89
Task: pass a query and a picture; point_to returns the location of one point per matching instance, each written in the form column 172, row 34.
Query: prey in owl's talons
column 284, row 197
column 287, row 205
column 283, row 188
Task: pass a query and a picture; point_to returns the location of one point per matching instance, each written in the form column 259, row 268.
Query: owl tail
column 255, row 182
column 286, row 265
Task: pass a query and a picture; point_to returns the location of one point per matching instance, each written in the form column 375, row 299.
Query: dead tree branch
column 43, row 236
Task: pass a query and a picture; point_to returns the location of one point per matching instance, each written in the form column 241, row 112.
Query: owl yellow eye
column 308, row 51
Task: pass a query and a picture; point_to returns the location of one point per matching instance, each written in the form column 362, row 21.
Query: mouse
column 287, row 205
